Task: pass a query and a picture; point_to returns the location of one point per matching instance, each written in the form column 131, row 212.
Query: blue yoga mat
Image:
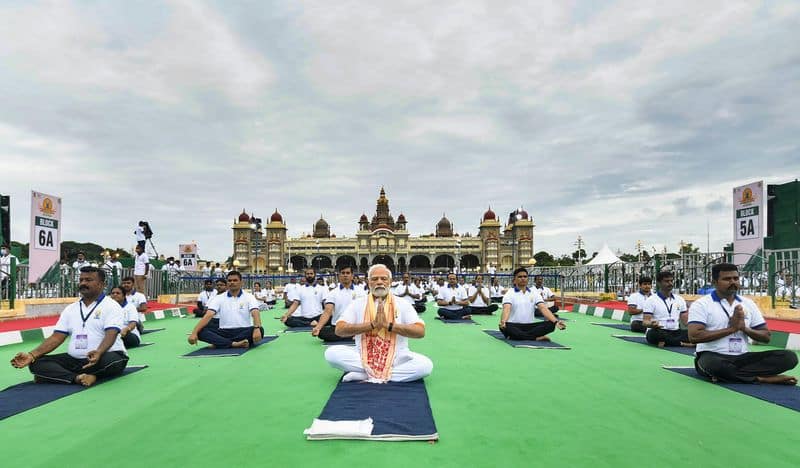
column 297, row 329
column 227, row 352
column 643, row 340
column 787, row 396
column 525, row 343
column 22, row 397
column 467, row 321
column 142, row 345
column 618, row 326
column 399, row 411
column 152, row 330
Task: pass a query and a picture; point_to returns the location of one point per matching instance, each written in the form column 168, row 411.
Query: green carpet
column 604, row 403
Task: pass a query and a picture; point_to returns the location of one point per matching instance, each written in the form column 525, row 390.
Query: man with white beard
column 381, row 326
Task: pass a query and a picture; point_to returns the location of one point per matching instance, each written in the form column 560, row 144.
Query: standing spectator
column 141, row 268
column 139, row 233
column 5, row 269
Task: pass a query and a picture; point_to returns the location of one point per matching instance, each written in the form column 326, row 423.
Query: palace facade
column 266, row 248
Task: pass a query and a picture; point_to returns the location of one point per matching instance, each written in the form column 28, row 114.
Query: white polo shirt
column 447, row 293
column 478, row 302
column 85, row 336
column 496, row 291
column 667, row 310
column 404, row 314
column 523, row 304
column 139, row 233
column 206, row 296
column 418, row 291
column 289, row 288
column 715, row 313
column 341, row 298
column 637, row 300
column 139, row 262
column 310, row 299
column 401, row 289
column 130, row 315
column 233, row 311
column 136, row 298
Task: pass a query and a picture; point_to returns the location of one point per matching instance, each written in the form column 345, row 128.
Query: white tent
column 605, row 257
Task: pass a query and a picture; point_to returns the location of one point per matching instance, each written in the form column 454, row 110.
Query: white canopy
column 605, row 257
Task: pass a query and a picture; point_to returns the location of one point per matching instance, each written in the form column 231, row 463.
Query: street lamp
column 458, row 256
column 317, row 259
column 517, row 215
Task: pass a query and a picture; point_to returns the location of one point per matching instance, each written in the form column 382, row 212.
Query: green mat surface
column 604, row 403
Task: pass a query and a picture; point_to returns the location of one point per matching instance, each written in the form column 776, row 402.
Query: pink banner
column 45, row 246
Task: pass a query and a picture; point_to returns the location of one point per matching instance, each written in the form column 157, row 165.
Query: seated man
column 663, row 313
column 288, row 290
column 269, row 294
column 134, row 297
column 478, row 297
column 636, row 304
column 306, row 308
column 239, row 318
column 452, row 300
column 547, row 295
column 261, row 296
column 519, row 303
column 407, row 292
column 336, row 303
column 417, row 288
column 202, row 299
column 381, row 326
column 721, row 322
column 95, row 349
column 496, row 292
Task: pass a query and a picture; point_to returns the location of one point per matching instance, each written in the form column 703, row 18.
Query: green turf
column 606, row 402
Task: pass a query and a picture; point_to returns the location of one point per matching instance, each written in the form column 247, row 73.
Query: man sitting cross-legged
column 452, row 300
column 239, row 320
column 381, row 326
column 519, row 304
column 478, row 297
column 306, row 299
column 663, row 313
column 721, row 322
column 95, row 349
column 336, row 303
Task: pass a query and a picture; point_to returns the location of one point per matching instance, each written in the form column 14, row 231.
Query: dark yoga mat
column 399, row 411
column 227, row 352
column 618, row 326
column 787, row 396
column 152, row 330
column 525, row 343
column 142, row 345
column 22, row 397
column 467, row 321
column 344, row 343
column 643, row 340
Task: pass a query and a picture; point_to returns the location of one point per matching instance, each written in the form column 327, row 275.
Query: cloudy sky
column 612, row 120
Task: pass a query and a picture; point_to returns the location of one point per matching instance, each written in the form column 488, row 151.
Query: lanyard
column 86, row 317
column 724, row 310
column 669, row 307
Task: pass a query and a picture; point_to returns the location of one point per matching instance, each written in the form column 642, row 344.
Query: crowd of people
column 379, row 316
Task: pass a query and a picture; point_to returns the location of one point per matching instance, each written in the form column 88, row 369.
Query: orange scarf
column 378, row 346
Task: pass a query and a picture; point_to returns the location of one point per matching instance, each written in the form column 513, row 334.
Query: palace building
column 266, row 248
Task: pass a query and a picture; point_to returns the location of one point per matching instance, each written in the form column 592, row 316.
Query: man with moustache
column 239, row 318
column 306, row 308
column 519, row 304
column 453, row 300
column 636, row 303
column 95, row 349
column 381, row 326
column 478, row 296
column 336, row 302
column 663, row 313
column 721, row 323
column 406, row 291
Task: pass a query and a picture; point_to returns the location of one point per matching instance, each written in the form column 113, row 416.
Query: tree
column 579, row 254
column 689, row 248
column 565, row 260
column 544, row 259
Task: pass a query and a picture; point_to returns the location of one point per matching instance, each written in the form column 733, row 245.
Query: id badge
column 670, row 324
column 735, row 345
column 81, row 341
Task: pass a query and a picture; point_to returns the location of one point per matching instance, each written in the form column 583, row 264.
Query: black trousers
column 668, row 337
column 453, row 314
column 744, row 368
column 638, row 326
column 553, row 309
column 63, row 368
column 527, row 331
column 224, row 337
column 328, row 333
column 484, row 310
column 301, row 321
column 198, row 312
column 419, row 306
column 496, row 300
column 131, row 340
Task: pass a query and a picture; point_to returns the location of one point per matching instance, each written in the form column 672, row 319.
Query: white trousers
column 407, row 367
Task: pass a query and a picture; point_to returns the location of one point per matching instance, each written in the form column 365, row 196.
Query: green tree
column 544, row 259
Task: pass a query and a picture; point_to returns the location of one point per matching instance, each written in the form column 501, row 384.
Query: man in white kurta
column 381, row 326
